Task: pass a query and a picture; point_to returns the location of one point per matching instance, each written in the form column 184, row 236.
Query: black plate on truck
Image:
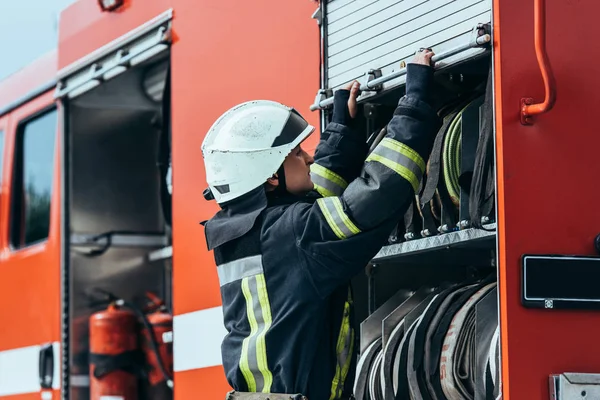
column 560, row 282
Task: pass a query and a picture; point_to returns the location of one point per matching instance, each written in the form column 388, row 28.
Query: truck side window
column 32, row 180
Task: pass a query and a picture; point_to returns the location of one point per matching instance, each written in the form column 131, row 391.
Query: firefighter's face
column 297, row 171
column 296, row 167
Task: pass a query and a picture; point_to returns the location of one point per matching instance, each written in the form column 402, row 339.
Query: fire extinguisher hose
column 152, row 340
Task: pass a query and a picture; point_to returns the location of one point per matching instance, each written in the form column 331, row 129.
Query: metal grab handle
column 528, row 108
column 478, row 40
column 46, row 366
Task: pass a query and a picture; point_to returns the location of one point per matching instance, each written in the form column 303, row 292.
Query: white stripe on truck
column 197, row 338
column 19, row 370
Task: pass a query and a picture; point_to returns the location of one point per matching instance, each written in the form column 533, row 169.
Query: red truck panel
column 84, row 27
column 227, row 52
column 28, row 79
column 547, row 185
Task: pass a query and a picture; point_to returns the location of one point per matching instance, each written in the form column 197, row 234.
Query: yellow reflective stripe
column 329, row 219
column 337, row 203
column 261, row 346
column 344, row 355
column 404, row 149
column 329, row 175
column 338, row 220
column 400, row 158
column 398, row 168
column 322, row 191
column 348, row 359
column 335, row 383
column 244, row 364
column 253, row 360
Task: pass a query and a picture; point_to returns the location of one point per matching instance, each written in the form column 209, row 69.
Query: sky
column 30, row 29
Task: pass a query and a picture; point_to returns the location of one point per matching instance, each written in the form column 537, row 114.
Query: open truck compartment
column 427, row 305
column 118, row 201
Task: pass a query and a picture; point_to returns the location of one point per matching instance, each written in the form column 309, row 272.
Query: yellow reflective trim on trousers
column 343, row 348
column 348, row 360
column 244, row 364
column 329, row 175
column 337, row 203
column 404, row 149
column 398, row 168
column 261, row 346
column 329, row 219
column 323, row 191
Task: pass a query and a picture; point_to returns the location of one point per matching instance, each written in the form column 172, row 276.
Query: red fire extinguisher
column 114, row 353
column 158, row 352
column 121, row 354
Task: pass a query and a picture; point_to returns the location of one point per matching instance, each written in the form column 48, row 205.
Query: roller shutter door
column 379, row 34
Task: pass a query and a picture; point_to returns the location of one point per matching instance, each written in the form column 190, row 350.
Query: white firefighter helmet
column 248, row 144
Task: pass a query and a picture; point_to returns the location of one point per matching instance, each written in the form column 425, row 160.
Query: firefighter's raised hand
column 354, row 89
column 419, row 77
column 345, row 108
column 423, row 57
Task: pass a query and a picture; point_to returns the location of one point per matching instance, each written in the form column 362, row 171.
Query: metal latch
column 372, row 75
column 574, row 386
column 322, row 95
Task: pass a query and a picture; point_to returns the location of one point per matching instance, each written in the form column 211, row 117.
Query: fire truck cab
column 108, row 290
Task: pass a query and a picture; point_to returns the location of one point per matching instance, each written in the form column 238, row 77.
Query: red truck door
column 547, row 185
column 30, row 251
column 225, row 53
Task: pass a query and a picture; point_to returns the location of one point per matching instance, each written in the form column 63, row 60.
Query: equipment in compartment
column 458, row 188
column 158, row 349
column 119, row 219
column 131, row 354
column 444, row 346
column 448, row 177
column 114, row 354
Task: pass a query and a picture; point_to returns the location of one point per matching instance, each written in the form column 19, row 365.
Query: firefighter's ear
column 272, row 183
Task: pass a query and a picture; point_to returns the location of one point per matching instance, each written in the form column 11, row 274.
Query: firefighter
column 287, row 243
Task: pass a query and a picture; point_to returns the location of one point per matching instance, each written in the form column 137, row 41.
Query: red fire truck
column 108, row 290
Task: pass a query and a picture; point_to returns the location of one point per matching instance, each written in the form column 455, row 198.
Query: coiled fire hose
column 451, row 157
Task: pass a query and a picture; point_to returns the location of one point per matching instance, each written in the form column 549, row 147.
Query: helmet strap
column 281, row 189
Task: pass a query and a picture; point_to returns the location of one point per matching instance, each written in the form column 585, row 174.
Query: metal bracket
column 526, row 119
column 480, row 35
column 318, row 16
column 476, row 41
column 574, row 386
column 323, row 94
column 371, row 75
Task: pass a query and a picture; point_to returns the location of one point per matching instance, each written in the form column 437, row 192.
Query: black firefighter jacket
column 284, row 266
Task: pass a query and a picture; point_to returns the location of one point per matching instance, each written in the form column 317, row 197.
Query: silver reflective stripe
column 239, row 269
column 400, row 159
column 324, row 187
column 327, row 182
